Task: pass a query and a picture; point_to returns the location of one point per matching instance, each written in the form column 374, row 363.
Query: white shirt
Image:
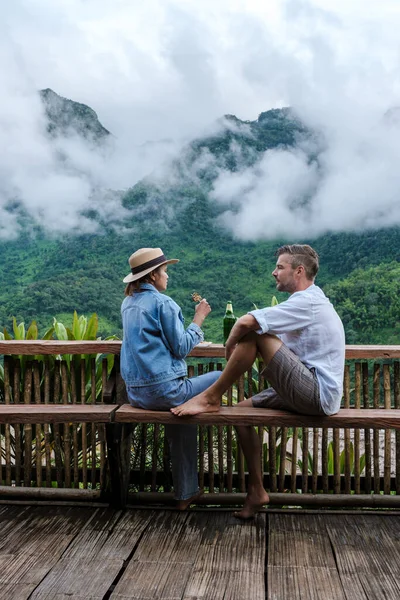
column 308, row 324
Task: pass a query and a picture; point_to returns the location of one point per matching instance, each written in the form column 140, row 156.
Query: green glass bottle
column 229, row 321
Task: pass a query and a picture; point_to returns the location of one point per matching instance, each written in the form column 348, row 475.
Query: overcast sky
column 166, row 69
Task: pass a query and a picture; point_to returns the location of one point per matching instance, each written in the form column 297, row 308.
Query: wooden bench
column 57, row 413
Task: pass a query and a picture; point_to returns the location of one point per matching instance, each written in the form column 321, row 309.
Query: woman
column 154, row 347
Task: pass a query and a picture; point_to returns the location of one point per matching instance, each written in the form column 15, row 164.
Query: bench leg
column 119, row 440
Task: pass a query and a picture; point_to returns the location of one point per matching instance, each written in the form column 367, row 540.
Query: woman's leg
column 182, row 441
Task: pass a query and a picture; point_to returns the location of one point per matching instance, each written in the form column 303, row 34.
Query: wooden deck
column 85, row 553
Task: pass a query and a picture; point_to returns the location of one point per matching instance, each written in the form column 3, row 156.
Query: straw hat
column 144, row 261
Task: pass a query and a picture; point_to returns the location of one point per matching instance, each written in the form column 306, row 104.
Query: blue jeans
column 182, row 439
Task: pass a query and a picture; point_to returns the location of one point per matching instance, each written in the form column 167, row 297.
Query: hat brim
column 129, row 278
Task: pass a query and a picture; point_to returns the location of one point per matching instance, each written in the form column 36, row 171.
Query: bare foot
column 252, row 505
column 184, row 504
column 198, row 404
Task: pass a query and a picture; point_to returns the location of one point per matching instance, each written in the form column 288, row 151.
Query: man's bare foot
column 184, row 504
column 198, row 404
column 252, row 505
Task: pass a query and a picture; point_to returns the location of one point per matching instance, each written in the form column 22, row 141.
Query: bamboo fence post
column 314, row 480
column 28, row 426
column 229, row 459
column 38, row 427
column 143, row 451
column 17, row 427
column 396, row 377
column 201, row 441
column 92, row 364
column 261, row 384
column 221, row 469
column 357, row 405
column 56, row 427
column 240, row 397
column 347, row 466
column 304, row 473
column 272, row 458
column 101, row 426
column 67, row 435
column 74, row 399
column 84, row 431
column 336, row 461
column 376, row 392
column 282, row 461
column 295, row 438
column 154, row 457
column 388, row 433
column 367, row 432
column 7, row 385
column 47, row 442
column 210, row 449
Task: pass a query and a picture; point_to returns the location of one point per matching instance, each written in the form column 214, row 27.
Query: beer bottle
column 229, row 321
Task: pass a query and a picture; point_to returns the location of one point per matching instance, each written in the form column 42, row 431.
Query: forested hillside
column 45, row 276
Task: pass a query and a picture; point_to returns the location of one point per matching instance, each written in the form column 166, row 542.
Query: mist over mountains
column 221, row 203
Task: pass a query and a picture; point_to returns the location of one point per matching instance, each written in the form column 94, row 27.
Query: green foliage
column 45, row 278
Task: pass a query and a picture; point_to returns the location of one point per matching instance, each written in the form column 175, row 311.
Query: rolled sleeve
column 293, row 314
column 261, row 319
column 178, row 340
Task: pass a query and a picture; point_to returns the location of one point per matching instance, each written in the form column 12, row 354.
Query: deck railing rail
column 295, row 460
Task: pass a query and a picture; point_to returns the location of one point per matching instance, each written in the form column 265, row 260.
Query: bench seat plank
column 57, row 413
column 346, row 418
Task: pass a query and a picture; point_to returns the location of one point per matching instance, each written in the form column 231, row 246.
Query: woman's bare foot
column 198, row 404
column 252, row 505
column 184, row 504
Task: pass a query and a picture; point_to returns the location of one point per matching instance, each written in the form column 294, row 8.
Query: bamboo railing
column 295, row 461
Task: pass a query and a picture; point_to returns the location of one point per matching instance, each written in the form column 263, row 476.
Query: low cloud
column 158, row 73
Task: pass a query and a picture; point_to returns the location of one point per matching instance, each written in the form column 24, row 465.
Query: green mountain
column 44, row 276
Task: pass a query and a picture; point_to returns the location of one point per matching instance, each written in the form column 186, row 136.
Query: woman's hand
column 201, row 311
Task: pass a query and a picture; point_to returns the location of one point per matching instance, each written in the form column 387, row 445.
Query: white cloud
column 166, row 69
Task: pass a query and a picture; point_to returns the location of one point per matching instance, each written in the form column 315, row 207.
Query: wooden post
column 119, row 443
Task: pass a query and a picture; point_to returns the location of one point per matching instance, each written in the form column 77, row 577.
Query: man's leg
column 241, row 360
column 256, row 494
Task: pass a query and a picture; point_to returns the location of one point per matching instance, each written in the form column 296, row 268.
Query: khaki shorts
column 294, row 386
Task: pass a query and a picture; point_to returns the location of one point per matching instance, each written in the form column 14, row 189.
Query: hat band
column 150, row 263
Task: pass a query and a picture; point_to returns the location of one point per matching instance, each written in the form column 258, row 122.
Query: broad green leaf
column 69, row 333
column 48, row 334
column 7, row 336
column 92, row 327
column 274, row 301
column 82, row 326
column 1, row 336
column 362, row 463
column 33, row 332
column 75, row 327
column 60, row 330
column 19, row 330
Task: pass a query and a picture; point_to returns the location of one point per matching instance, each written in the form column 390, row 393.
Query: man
column 302, row 344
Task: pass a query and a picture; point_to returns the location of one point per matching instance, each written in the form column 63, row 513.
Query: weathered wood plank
column 56, row 413
column 32, row 347
column 95, row 557
column 374, row 418
column 367, row 555
column 230, row 560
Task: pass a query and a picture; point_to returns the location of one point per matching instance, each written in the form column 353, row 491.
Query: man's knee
column 268, row 345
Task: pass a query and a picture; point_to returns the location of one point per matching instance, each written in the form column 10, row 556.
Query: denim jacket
column 155, row 341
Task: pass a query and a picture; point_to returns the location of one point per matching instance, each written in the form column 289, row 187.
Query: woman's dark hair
column 134, row 286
